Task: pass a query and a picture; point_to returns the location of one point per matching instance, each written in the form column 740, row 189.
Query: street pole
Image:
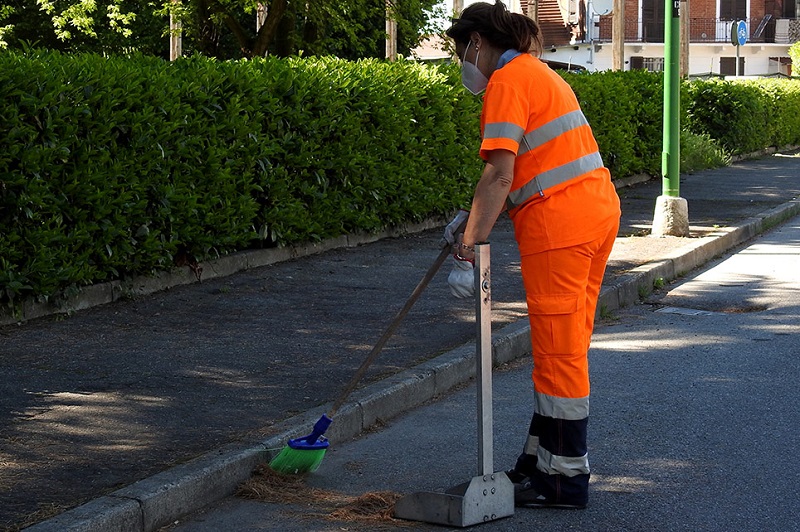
column 617, row 35
column 391, row 33
column 533, row 8
column 670, row 155
column 175, row 35
column 737, row 61
column 458, row 7
column 685, row 38
column 671, row 213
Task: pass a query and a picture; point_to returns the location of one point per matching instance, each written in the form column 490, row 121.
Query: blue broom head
column 314, row 441
column 302, row 444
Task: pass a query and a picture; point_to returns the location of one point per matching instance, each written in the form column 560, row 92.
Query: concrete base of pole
column 671, row 217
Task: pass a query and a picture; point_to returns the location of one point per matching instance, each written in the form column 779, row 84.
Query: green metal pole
column 671, row 153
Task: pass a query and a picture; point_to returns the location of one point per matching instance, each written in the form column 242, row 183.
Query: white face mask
column 471, row 76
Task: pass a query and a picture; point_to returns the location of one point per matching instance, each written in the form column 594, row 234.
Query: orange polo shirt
column 530, row 110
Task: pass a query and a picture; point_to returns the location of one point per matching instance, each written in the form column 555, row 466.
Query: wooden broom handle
column 446, row 250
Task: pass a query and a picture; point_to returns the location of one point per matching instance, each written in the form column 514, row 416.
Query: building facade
column 578, row 32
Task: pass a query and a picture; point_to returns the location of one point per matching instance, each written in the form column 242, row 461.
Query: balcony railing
column 704, row 30
column 761, row 30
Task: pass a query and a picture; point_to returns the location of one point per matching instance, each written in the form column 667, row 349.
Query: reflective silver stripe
column 569, row 466
column 552, row 129
column 531, row 445
column 551, row 178
column 503, row 130
column 561, row 407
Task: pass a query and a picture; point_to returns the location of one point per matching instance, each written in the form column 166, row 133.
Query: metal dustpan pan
column 490, row 495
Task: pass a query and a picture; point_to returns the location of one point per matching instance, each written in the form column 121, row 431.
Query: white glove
column 462, row 278
column 450, row 231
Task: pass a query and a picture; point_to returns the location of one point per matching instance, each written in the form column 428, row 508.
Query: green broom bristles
column 296, row 461
column 303, row 455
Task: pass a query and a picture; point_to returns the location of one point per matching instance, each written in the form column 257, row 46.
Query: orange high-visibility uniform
column 565, row 212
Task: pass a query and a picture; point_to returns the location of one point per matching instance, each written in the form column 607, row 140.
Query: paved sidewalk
column 152, row 407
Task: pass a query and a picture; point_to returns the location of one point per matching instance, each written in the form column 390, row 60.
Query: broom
column 303, row 455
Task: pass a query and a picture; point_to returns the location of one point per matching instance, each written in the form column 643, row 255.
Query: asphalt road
column 694, row 420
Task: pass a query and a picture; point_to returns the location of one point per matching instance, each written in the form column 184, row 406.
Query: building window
column 791, row 9
column 651, row 64
column 653, row 21
column 732, row 9
column 654, row 64
column 727, row 66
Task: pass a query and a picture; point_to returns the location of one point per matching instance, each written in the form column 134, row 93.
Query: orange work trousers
column 562, row 287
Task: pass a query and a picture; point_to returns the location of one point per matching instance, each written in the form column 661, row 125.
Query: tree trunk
column 269, row 29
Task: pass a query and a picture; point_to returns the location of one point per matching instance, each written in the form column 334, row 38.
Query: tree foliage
column 794, row 53
column 224, row 29
column 105, row 26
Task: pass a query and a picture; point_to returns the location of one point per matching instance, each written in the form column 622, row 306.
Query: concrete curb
column 633, row 285
column 157, row 501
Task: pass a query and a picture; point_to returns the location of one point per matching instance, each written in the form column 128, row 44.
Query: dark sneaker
column 527, row 497
column 518, row 479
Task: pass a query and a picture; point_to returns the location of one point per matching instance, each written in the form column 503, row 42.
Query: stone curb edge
column 157, row 501
column 639, row 282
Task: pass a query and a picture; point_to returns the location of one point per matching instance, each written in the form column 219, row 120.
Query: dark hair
column 497, row 24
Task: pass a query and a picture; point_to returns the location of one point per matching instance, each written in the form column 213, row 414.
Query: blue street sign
column 741, row 33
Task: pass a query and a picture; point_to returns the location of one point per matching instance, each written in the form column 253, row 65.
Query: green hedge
column 112, row 166
column 745, row 116
column 117, row 166
column 625, row 112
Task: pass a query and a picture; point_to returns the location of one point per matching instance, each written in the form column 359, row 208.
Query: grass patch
column 643, row 291
column 701, row 152
column 606, row 314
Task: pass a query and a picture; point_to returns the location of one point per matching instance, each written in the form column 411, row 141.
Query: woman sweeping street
column 543, row 167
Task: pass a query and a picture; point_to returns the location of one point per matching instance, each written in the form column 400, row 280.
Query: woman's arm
column 489, row 199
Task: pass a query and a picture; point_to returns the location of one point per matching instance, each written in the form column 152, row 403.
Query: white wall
column 703, row 58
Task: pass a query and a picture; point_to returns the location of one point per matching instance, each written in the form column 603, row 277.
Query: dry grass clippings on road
column 376, row 506
column 269, row 486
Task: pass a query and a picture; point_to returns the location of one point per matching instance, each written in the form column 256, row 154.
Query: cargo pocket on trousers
column 557, row 328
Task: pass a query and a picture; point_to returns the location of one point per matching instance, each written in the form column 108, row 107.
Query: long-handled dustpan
column 490, row 495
